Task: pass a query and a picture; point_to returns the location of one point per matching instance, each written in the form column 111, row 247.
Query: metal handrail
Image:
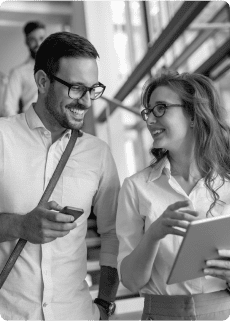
column 118, row 103
column 188, row 11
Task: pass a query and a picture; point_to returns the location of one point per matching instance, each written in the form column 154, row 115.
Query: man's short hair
column 33, row 25
column 62, row 45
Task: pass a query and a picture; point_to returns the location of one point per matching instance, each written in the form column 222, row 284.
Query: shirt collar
column 32, row 118
column 159, row 168
column 34, row 121
column 164, row 167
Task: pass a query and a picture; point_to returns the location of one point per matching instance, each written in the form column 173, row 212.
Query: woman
column 187, row 180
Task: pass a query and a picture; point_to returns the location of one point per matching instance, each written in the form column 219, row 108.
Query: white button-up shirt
column 143, row 198
column 48, row 280
column 21, row 85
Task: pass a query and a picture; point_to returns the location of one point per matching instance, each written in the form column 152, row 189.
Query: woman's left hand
column 219, row 268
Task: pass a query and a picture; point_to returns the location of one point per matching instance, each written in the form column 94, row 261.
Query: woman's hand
column 219, row 268
column 173, row 220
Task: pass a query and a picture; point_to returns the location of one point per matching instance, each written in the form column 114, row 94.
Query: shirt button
column 45, row 305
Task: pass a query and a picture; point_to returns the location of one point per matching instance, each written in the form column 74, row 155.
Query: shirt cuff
column 108, row 260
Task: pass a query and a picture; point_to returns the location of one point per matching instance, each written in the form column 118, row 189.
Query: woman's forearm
column 136, row 268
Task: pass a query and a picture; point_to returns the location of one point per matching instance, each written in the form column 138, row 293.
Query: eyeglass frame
column 63, row 82
column 152, row 110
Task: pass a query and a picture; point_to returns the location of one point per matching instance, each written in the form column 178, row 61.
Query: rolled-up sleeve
column 105, row 208
column 129, row 224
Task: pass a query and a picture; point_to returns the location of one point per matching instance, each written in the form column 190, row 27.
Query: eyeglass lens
column 79, row 92
column 157, row 111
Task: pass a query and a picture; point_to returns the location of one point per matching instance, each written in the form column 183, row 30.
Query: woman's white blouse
column 143, row 198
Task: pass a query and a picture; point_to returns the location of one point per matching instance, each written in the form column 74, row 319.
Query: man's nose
column 85, row 100
column 38, row 42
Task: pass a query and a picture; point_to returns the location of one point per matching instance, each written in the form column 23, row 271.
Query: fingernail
column 206, row 271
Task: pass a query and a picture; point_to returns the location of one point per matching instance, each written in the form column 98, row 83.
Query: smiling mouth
column 77, row 111
column 157, row 132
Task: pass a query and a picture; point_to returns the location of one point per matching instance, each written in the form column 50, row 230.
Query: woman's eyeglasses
column 158, row 110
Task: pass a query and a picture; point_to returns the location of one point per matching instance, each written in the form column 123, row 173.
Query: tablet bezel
column 201, row 242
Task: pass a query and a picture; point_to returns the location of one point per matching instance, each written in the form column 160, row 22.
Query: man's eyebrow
column 82, row 84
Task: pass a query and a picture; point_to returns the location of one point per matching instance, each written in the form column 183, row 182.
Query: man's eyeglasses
column 79, row 91
column 158, row 110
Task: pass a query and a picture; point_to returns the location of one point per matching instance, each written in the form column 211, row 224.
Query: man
column 3, row 83
column 21, row 90
column 48, row 279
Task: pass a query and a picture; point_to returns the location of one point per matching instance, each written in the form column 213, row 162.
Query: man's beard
column 61, row 119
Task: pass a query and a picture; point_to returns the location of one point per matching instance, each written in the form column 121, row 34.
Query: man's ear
column 42, row 81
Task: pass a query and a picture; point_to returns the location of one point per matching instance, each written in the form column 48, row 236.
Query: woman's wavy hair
column 211, row 132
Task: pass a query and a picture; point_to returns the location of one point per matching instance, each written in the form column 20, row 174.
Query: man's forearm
column 9, row 227
column 109, row 282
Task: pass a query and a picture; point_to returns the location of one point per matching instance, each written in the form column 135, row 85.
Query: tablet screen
column 201, row 242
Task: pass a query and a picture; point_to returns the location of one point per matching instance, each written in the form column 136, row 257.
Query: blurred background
column 135, row 39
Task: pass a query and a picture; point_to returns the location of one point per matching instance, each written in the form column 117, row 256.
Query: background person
column 187, row 180
column 21, row 90
column 3, row 84
column 48, row 279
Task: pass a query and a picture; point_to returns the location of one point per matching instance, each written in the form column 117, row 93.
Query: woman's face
column 173, row 130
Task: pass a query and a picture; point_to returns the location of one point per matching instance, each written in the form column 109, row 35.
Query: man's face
column 34, row 39
column 61, row 110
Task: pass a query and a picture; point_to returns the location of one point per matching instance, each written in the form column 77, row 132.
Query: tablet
column 201, row 242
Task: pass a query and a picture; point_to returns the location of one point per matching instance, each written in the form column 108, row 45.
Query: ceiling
column 16, row 13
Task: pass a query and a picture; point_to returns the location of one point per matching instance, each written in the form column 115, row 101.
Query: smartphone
column 75, row 212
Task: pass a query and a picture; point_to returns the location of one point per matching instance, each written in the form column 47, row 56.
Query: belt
column 186, row 306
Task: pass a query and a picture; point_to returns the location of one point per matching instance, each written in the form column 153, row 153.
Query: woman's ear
column 42, row 81
column 192, row 122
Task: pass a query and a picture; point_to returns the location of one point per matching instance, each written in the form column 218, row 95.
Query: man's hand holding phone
column 46, row 223
column 75, row 212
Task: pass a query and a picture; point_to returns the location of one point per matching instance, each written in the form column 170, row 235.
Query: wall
column 13, row 51
column 99, row 27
